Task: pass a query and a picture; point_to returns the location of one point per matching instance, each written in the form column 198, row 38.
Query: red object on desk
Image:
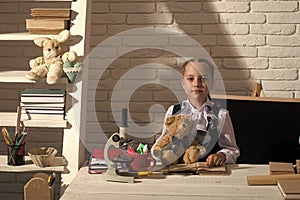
column 99, row 153
column 97, row 164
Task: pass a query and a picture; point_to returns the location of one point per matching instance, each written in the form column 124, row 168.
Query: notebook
column 281, row 168
column 290, row 189
column 97, row 164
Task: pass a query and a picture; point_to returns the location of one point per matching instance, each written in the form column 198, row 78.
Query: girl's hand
column 217, row 159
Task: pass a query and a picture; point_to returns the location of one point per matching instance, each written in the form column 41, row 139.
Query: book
column 97, row 163
column 281, row 168
column 48, row 20
column 43, row 96
column 43, row 92
column 51, row 18
column 290, row 189
column 196, row 168
column 51, row 12
column 37, row 99
column 45, row 24
column 44, row 31
column 50, row 105
column 35, row 116
column 43, row 111
column 43, row 104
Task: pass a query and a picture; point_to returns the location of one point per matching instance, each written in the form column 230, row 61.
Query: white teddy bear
column 50, row 65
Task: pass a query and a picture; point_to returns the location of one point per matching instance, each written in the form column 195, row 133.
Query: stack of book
column 48, row 20
column 42, row 104
column 97, row 164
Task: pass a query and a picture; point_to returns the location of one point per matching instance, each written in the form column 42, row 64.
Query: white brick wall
column 248, row 40
column 243, row 34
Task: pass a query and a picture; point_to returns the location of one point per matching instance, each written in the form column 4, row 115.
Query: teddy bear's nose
column 49, row 49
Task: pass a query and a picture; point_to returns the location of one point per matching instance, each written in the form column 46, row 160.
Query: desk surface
column 174, row 187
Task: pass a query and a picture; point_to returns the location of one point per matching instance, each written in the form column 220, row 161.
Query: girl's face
column 196, row 82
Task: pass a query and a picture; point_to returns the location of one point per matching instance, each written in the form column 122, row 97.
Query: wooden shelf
column 59, row 166
column 22, row 36
column 10, row 119
column 20, row 77
column 34, row 1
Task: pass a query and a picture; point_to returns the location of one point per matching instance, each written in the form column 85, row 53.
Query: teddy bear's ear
column 40, row 41
column 63, row 36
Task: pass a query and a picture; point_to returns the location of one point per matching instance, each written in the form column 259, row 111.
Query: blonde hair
column 200, row 60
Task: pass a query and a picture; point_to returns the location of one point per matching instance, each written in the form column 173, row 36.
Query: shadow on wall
column 213, row 27
column 200, row 21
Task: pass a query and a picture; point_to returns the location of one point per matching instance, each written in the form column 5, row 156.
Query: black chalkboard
column 265, row 129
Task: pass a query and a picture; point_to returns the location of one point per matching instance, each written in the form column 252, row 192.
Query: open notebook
column 197, row 168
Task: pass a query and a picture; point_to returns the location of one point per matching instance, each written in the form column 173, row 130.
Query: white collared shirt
column 226, row 141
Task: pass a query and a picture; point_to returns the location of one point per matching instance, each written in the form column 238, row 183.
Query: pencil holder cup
column 16, row 154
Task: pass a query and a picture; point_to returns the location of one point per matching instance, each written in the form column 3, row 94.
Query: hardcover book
column 97, row 162
column 43, row 92
column 43, row 111
column 51, row 12
column 44, row 31
column 42, row 96
column 58, row 24
column 48, row 20
column 37, row 99
column 25, row 105
column 290, row 189
column 35, row 116
column 43, row 104
column 281, row 168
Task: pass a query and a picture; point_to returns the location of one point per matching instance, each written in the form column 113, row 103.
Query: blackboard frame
column 266, row 129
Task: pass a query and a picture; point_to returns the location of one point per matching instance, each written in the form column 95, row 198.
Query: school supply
column 97, row 164
column 272, row 179
column 281, row 168
column 43, row 104
column 199, row 168
column 113, row 172
column 51, row 178
column 15, row 147
column 43, row 95
column 290, row 189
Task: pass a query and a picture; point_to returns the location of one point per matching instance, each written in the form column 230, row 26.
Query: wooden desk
column 174, row 187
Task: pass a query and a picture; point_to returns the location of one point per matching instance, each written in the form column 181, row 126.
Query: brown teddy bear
column 177, row 141
column 49, row 65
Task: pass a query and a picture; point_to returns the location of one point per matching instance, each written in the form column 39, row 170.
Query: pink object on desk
column 99, row 153
column 141, row 162
column 130, row 151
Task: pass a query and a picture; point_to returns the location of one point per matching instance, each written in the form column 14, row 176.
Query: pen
column 51, row 179
column 6, row 136
column 11, row 156
column 145, row 173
